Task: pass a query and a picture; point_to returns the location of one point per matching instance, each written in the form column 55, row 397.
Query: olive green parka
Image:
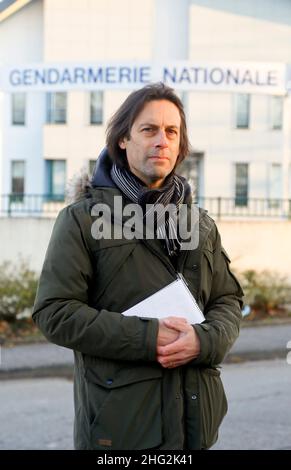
column 123, row 398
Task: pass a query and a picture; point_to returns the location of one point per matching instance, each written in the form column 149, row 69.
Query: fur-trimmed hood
column 81, row 183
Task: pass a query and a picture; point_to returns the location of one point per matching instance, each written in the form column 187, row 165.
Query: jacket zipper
column 177, row 275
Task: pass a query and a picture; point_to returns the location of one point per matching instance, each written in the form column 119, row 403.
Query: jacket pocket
column 213, row 405
column 238, row 286
column 209, row 257
column 125, row 408
column 207, row 270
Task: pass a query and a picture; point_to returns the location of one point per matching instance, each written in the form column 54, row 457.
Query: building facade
column 241, row 140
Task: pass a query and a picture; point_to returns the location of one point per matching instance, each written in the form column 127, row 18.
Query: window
column 242, row 111
column 275, row 185
column 56, row 179
column 96, row 107
column 276, row 112
column 56, row 108
column 191, row 169
column 241, row 184
column 91, row 166
column 17, row 180
column 18, row 108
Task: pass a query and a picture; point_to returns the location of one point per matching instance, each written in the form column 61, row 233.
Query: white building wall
column 96, row 30
column 103, row 30
column 21, row 40
column 171, row 30
column 246, row 251
column 222, row 30
column 198, row 30
column 237, row 30
column 24, row 143
column 211, row 120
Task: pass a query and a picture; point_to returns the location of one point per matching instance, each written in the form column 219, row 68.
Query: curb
column 66, row 371
column 54, row 371
column 254, row 356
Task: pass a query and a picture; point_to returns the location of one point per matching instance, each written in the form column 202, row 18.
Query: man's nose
column 162, row 140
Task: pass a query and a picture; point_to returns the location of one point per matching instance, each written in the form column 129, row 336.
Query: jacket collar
column 101, row 174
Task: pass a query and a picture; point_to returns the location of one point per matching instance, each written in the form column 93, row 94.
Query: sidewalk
column 45, row 359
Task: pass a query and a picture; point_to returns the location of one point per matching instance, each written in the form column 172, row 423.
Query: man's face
column 154, row 143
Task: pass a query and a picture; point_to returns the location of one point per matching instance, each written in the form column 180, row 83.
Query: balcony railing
column 31, row 205
column 224, row 208
column 47, row 205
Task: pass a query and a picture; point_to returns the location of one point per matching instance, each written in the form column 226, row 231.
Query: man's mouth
column 159, row 157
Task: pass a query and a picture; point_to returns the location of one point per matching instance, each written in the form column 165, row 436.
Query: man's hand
column 166, row 335
column 183, row 349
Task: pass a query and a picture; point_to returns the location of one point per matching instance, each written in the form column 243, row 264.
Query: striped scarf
column 172, row 192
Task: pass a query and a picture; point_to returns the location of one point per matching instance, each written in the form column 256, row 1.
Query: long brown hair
column 120, row 124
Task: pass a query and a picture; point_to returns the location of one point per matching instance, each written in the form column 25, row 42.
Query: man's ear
column 122, row 143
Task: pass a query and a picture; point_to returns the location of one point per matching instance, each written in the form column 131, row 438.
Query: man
column 140, row 383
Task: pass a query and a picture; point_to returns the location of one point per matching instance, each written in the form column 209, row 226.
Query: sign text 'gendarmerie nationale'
column 248, row 77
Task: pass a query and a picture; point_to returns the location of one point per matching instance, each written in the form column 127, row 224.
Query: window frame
column 51, row 108
column 100, row 121
column 17, row 196
column 51, row 195
column 15, row 122
column 237, row 111
column 273, row 125
column 241, row 200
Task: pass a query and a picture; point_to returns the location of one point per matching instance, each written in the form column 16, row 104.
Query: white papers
column 173, row 300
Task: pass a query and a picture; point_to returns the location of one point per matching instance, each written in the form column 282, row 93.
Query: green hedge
column 266, row 292
column 18, row 284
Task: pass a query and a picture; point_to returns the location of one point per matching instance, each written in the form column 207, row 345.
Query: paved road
column 45, row 359
column 38, row 413
column 259, row 415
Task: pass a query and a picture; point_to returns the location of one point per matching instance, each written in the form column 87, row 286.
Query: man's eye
column 148, row 129
column 172, row 131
